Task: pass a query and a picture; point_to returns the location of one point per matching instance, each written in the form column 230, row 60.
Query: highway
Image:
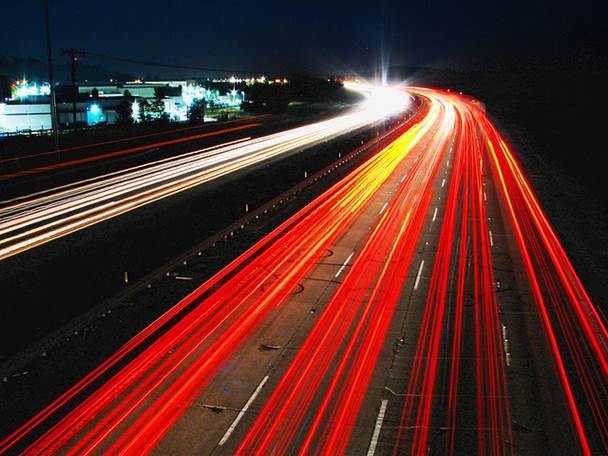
column 31, row 220
column 421, row 305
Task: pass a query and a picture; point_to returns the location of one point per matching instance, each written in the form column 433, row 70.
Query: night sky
column 328, row 36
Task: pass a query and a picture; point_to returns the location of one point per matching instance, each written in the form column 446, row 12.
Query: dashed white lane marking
column 505, row 345
column 344, row 264
column 403, row 178
column 442, row 183
column 491, row 239
column 418, row 275
column 177, row 277
column 435, row 214
column 372, row 445
column 485, row 197
column 242, row 412
column 383, row 208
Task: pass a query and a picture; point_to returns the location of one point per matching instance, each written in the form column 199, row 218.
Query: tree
column 157, row 110
column 144, row 112
column 196, row 111
column 124, row 111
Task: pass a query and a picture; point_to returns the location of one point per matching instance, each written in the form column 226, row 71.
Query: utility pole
column 51, row 79
column 73, row 53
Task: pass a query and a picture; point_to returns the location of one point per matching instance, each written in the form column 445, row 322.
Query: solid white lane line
column 491, row 239
column 372, row 445
column 242, row 412
column 383, row 208
column 418, row 275
column 344, row 264
column 435, row 214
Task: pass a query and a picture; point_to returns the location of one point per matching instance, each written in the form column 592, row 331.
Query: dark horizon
column 319, row 39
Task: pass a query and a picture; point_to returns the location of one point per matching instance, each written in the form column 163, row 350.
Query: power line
column 173, row 65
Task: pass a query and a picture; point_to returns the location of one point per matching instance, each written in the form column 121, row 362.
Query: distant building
column 27, row 107
column 110, row 95
column 84, row 107
column 102, row 88
column 17, row 117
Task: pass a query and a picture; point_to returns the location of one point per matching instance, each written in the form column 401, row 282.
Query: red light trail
column 454, row 364
column 119, row 153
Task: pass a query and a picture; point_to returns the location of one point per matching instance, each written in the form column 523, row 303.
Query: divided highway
column 421, row 305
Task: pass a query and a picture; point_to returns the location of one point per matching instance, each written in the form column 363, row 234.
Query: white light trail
column 49, row 215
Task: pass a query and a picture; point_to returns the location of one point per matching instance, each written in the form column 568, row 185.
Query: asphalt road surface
column 421, row 305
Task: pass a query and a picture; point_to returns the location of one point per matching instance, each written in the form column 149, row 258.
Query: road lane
column 403, row 311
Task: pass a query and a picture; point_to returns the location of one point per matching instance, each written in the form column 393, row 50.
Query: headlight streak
column 28, row 224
